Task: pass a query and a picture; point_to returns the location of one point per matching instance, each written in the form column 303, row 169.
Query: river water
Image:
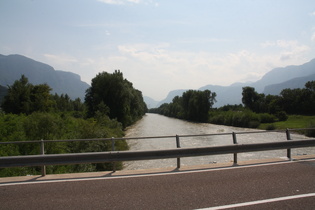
column 158, row 125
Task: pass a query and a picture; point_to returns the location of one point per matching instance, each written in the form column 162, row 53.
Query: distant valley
column 63, row 82
column 273, row 82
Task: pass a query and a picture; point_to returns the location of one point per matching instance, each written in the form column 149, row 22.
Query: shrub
column 271, row 127
column 266, row 118
column 282, row 116
column 254, row 124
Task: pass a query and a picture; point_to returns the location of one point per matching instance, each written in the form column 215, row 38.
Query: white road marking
column 260, row 201
column 145, row 175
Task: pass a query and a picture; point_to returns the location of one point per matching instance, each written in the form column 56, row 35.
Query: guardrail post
column 178, row 146
column 113, row 149
column 288, row 138
column 234, row 142
column 42, row 152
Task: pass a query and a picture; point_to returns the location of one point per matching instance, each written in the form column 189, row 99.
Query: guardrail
column 114, row 156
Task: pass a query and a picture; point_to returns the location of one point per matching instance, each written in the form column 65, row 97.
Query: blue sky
column 162, row 45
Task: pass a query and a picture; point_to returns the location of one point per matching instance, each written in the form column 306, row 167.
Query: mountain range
column 273, row 82
column 62, row 82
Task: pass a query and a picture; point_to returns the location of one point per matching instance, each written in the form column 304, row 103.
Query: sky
column 161, row 45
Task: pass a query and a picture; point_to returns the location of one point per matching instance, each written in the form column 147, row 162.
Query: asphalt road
column 189, row 190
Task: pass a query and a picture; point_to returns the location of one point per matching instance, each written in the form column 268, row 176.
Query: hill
column 271, row 83
column 150, row 102
column 62, row 82
column 280, row 75
column 298, row 82
column 170, row 96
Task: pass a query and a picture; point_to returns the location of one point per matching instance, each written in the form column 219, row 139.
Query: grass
column 294, row 121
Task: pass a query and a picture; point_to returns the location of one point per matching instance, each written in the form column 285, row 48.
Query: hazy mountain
column 170, row 96
column 13, row 66
column 280, row 75
column 226, row 94
column 150, row 102
column 271, row 83
column 298, row 82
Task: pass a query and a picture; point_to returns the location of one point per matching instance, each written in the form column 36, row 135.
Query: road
column 288, row 185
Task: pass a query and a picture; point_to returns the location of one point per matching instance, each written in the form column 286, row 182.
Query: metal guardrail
column 114, row 156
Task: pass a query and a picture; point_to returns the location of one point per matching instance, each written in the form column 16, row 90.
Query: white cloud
column 312, row 13
column 313, row 37
column 156, row 69
column 289, row 49
column 60, row 59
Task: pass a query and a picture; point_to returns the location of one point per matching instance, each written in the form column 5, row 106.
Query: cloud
column 61, row 58
column 150, row 65
column 312, row 13
column 313, row 37
column 289, row 49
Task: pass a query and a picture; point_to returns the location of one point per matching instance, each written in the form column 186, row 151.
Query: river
column 158, row 125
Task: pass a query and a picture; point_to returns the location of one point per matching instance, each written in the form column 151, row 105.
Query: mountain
column 271, row 83
column 150, row 102
column 62, row 82
column 227, row 94
column 280, row 75
column 170, row 96
column 298, row 82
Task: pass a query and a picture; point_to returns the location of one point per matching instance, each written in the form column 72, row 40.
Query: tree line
column 193, row 105
column 292, row 101
column 30, row 112
column 256, row 108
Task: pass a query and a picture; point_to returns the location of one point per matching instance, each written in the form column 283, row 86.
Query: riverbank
column 159, row 125
column 293, row 122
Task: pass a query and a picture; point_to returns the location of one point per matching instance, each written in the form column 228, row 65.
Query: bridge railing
column 178, row 152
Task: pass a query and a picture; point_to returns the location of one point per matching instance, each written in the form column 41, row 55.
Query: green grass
column 294, row 121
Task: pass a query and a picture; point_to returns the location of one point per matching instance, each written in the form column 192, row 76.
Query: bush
column 282, row 116
column 267, row 118
column 270, row 127
column 58, row 126
column 254, row 124
column 247, row 119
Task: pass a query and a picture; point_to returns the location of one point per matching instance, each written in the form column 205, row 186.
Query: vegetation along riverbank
column 293, row 108
column 29, row 112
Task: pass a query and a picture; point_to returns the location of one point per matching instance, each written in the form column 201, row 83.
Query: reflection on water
column 158, row 125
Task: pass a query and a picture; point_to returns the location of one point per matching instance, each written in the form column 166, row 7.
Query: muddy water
column 158, row 125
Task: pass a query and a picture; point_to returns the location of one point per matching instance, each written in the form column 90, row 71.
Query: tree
column 192, row 105
column 123, row 102
column 40, row 98
column 18, row 98
column 26, row 98
column 196, row 104
column 250, row 97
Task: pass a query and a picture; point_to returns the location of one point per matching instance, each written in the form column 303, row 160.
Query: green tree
column 40, row 98
column 26, row 98
column 196, row 104
column 250, row 97
column 17, row 99
column 193, row 105
column 123, row 102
